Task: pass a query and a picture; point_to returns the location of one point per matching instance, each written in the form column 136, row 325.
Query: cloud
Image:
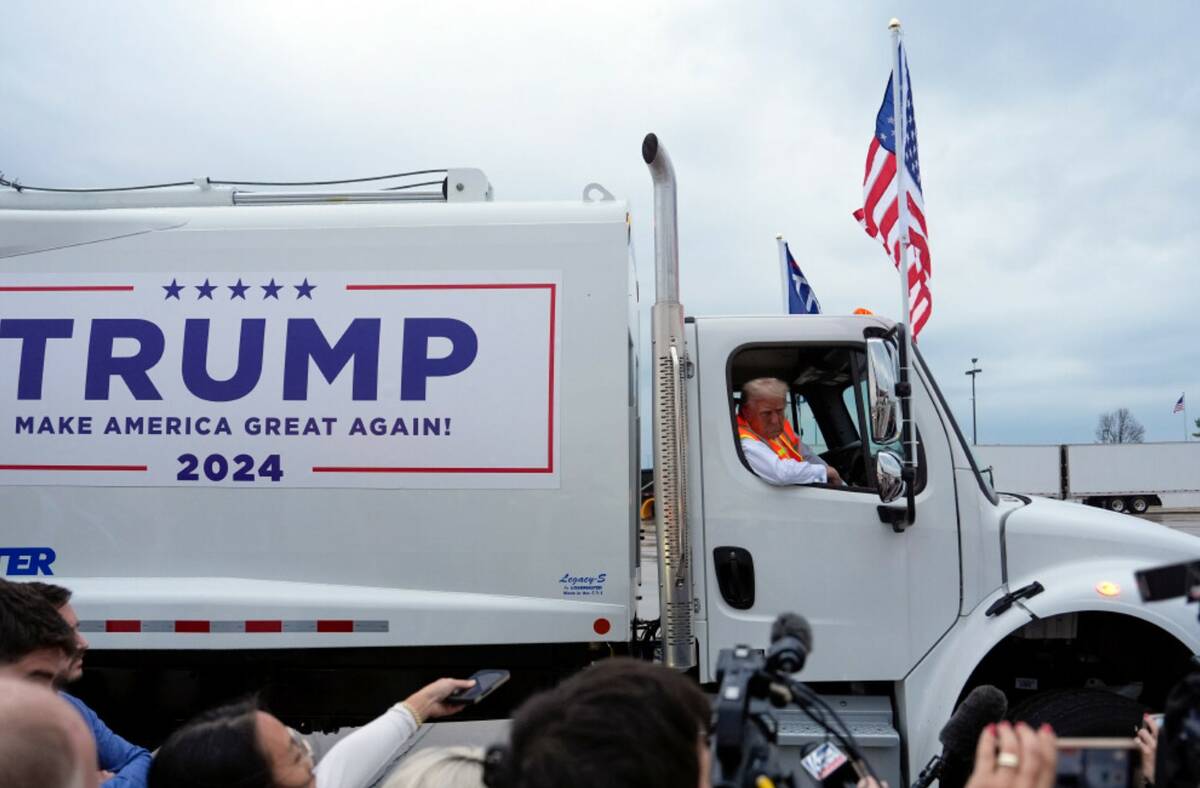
column 1056, row 151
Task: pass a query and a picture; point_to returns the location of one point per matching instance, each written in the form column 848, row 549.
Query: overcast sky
column 1057, row 156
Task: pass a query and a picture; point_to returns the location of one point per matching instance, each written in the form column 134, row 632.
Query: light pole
column 973, row 371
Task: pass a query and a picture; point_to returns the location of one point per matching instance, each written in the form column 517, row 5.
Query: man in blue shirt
column 122, row 764
column 36, row 645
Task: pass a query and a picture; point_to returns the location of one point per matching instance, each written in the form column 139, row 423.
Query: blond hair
column 762, row 388
column 440, row 767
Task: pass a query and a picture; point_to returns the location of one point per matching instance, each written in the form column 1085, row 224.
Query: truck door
column 877, row 600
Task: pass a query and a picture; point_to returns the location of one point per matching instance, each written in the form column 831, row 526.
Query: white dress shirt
column 768, row 465
column 360, row 759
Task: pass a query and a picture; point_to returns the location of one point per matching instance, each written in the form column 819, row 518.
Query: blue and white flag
column 801, row 298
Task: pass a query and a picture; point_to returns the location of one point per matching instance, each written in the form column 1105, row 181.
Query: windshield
column 983, row 479
column 984, row 470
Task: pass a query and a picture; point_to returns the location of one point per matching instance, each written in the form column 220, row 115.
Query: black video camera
column 745, row 739
column 743, row 742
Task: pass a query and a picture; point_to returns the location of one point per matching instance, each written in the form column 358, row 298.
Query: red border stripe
column 192, row 626
column 550, row 395
column 251, row 626
column 475, row 286
column 73, row 468
column 66, row 288
column 264, row 626
column 122, row 626
column 334, row 625
column 381, row 469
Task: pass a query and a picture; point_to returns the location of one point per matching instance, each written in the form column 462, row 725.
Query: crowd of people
column 620, row 722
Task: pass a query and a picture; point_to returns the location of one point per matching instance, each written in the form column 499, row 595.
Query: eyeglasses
column 301, row 742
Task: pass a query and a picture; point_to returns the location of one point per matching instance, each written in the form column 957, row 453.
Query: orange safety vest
column 787, row 445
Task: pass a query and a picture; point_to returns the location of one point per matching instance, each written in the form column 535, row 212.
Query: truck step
column 869, row 719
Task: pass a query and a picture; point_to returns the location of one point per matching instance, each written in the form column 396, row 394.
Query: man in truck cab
column 769, row 443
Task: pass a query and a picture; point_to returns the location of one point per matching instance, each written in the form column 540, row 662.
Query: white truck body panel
column 1063, row 536
column 219, row 551
column 929, row 693
column 1069, row 549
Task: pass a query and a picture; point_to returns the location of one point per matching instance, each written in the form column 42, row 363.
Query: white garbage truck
column 335, row 442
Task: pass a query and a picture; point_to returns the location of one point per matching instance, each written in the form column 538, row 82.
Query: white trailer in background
column 1121, row 476
column 1030, row 470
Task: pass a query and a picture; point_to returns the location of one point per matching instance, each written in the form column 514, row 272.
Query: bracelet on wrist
column 413, row 711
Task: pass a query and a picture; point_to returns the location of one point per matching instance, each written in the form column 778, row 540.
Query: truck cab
column 1035, row 597
column 824, row 550
column 911, row 606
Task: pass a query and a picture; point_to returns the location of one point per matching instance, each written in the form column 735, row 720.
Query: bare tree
column 1119, row 426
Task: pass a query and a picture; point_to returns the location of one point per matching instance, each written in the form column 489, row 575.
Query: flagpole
column 1185, row 418
column 783, row 269
column 899, row 113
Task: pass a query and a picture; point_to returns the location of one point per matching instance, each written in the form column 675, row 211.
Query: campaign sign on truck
column 279, row 379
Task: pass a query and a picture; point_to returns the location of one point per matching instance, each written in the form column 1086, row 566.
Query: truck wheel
column 1116, row 504
column 1081, row 712
column 1139, row 505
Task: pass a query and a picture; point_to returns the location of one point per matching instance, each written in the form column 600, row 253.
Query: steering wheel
column 849, row 456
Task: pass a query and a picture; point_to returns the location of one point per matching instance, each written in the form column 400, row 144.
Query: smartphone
column 1097, row 763
column 486, row 682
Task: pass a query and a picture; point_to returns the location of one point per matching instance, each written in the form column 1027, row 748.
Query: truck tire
column 1138, row 504
column 1115, row 504
column 1081, row 712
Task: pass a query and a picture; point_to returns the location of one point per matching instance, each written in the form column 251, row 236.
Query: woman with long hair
column 242, row 746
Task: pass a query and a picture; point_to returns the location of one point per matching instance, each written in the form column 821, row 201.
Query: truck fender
column 1108, row 585
column 928, row 694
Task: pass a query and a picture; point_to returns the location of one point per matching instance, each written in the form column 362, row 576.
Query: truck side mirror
column 888, row 479
column 883, row 404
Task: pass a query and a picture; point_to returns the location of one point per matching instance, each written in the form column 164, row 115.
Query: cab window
column 826, row 404
column 806, row 425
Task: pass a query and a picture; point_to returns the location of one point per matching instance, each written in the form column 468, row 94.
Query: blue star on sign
column 206, row 290
column 304, row 290
column 239, row 290
column 271, row 290
column 173, row 289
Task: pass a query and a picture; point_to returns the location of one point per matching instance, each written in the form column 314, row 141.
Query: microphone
column 791, row 643
column 960, row 738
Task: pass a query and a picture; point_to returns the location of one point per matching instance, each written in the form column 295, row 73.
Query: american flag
column 1179, row 404
column 801, row 298
column 880, row 213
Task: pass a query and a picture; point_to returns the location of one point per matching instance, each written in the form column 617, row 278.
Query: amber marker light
column 1108, row 588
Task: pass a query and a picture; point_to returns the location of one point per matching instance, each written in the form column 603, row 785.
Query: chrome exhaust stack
column 669, row 351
